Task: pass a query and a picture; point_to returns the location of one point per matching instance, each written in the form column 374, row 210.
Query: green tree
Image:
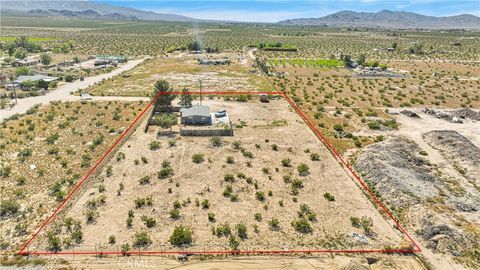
column 186, row 98
column 181, row 236
column 361, row 59
column 42, row 84
column 45, row 59
column 166, row 121
column 194, row 46
column 20, row 54
column 165, row 98
column 20, row 71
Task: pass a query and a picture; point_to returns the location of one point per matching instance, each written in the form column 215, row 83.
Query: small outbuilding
column 196, row 115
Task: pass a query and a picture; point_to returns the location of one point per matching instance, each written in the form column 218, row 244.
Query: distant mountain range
column 82, row 14
column 84, row 9
column 95, row 10
column 388, row 19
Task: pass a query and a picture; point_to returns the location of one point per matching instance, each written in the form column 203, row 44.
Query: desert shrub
column 314, row 157
column 154, row 145
column 274, row 147
column 77, row 235
column 302, row 226
column 241, row 230
column 223, row 230
column 53, row 242
column 373, row 125
column 297, row 183
column 216, row 141
column 303, row 169
column 258, row 217
column 144, row 180
column 142, row 202
column 181, row 236
column 174, row 213
column 125, row 248
column 142, row 239
column 166, row 170
column 274, row 224
column 227, row 192
column 236, row 145
column 329, row 197
column 286, row 162
column 205, row 204
column 211, row 217
column 366, row 223
column 355, row 221
column 129, row 222
column 260, row 195
column 52, row 138
column 306, row 212
column 233, row 242
column 9, row 208
column 149, row 221
column 229, row 178
column 198, row 158
column 230, row 160
column 246, row 153
column 91, row 216
column 112, row 240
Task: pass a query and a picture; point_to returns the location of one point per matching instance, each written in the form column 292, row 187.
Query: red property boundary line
column 251, row 252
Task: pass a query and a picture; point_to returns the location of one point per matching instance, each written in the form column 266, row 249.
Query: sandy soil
column 205, row 181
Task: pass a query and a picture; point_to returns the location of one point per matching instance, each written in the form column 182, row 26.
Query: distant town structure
column 109, row 59
column 35, row 78
column 25, row 62
column 214, row 62
column 196, row 115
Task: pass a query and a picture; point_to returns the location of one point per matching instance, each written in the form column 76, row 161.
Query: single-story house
column 215, row 62
column 25, row 62
column 109, row 59
column 196, row 115
column 33, row 78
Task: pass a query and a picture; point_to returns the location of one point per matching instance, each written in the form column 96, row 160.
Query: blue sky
column 275, row 10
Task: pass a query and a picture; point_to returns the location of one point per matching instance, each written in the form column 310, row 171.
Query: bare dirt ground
column 428, row 172
column 263, row 125
column 335, row 262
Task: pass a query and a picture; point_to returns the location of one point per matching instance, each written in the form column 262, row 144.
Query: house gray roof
column 196, row 110
column 35, row 78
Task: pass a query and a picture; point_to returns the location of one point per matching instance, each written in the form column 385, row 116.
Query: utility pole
column 12, row 79
column 200, row 81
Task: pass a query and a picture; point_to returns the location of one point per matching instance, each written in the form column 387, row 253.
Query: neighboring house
column 109, row 59
column 25, row 62
column 33, row 78
column 196, row 115
column 214, row 62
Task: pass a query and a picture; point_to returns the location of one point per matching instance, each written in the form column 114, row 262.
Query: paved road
column 63, row 92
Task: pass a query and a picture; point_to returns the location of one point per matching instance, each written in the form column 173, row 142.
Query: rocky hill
column 87, row 9
column 389, row 19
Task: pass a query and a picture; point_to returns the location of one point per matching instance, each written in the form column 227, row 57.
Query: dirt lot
column 264, row 125
column 184, row 71
column 44, row 153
